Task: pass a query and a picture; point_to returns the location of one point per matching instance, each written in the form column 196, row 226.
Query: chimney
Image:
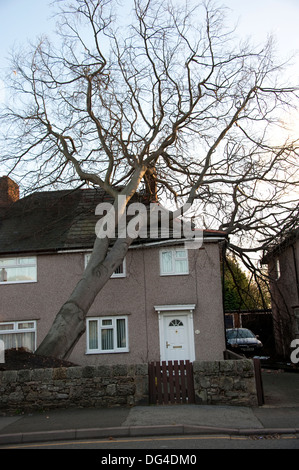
column 9, row 192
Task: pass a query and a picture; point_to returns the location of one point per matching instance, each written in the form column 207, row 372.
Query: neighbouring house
column 283, row 268
column 163, row 303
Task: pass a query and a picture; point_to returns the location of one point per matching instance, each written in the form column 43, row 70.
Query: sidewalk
column 279, row 415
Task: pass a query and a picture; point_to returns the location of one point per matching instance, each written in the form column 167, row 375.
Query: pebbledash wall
column 217, row 382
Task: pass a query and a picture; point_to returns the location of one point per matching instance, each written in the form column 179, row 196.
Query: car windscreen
column 239, row 333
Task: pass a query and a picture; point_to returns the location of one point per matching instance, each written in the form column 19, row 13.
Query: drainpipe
column 223, row 290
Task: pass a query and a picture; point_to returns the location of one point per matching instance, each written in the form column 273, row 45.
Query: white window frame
column 100, row 327
column 174, row 271
column 4, row 266
column 119, row 272
column 17, row 329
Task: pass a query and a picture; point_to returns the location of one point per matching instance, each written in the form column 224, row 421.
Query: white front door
column 176, row 337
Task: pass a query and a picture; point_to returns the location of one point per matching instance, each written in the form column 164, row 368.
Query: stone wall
column 89, row 386
column 227, row 382
column 230, row 382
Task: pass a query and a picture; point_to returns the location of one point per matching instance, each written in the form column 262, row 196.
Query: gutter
column 51, row 251
column 177, row 241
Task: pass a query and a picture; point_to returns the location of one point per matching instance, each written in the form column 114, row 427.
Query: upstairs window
column 119, row 272
column 174, row 262
column 18, row 270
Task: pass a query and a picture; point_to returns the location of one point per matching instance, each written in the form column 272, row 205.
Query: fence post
column 259, row 382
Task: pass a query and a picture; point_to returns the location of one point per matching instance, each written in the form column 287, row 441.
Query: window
column 119, row 272
column 13, row 270
column 173, row 262
column 176, row 322
column 18, row 334
column 107, row 335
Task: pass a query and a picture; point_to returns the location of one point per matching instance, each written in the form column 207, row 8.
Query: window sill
column 17, row 282
column 96, row 353
column 174, row 274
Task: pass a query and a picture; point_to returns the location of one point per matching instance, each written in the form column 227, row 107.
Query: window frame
column 174, row 272
column 16, row 330
column 100, row 328
column 115, row 275
column 6, row 266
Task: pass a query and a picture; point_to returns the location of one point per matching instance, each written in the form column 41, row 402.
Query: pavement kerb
column 135, row 431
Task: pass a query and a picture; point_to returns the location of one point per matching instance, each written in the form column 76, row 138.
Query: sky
column 25, row 20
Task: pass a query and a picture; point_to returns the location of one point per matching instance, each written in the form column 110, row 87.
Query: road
column 165, row 445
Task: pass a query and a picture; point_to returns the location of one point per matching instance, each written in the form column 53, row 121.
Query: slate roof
column 288, row 239
column 54, row 220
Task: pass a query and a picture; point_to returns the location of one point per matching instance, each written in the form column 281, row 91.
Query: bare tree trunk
column 70, row 322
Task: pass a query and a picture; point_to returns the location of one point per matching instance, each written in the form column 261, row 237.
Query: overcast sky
column 23, row 20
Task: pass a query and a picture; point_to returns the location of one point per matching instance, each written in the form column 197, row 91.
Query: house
column 283, row 268
column 164, row 302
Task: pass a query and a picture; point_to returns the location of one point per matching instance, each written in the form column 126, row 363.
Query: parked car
column 242, row 340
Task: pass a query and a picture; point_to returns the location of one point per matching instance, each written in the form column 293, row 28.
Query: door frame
column 172, row 311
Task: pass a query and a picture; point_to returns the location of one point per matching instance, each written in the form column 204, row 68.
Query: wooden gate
column 171, row 382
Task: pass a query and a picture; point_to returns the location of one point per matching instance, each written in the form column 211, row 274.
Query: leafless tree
column 162, row 89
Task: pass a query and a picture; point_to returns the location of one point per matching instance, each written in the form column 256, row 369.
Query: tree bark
column 70, row 322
